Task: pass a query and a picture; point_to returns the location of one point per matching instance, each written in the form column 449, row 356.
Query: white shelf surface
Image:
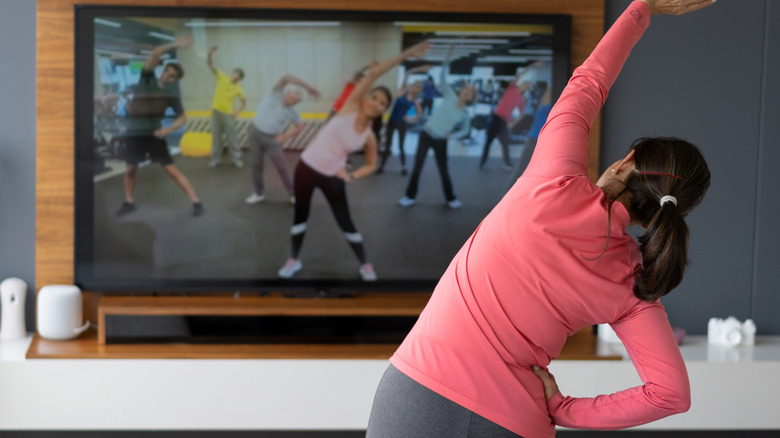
column 732, row 389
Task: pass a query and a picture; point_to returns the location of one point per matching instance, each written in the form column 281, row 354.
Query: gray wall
column 17, row 145
column 704, row 77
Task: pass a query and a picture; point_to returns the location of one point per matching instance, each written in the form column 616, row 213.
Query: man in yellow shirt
column 223, row 113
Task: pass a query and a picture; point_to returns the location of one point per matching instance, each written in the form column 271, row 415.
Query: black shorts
column 147, row 147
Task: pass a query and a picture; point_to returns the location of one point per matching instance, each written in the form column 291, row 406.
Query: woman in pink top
column 553, row 257
column 323, row 163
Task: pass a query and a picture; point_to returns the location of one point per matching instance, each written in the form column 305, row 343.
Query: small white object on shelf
column 13, row 292
column 59, row 312
column 730, row 332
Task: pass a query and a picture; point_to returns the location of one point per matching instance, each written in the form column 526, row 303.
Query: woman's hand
column 184, row 41
column 676, row 7
column 548, row 380
column 344, row 175
column 161, row 132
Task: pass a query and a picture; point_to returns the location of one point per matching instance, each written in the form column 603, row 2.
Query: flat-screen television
column 161, row 206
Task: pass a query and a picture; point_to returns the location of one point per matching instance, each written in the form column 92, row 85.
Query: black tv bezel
column 84, row 151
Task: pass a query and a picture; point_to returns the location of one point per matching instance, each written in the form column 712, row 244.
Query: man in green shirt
column 147, row 103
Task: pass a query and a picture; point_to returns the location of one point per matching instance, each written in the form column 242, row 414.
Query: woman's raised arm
column 362, row 87
column 563, row 142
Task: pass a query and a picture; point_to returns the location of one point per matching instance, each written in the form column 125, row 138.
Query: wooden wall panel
column 55, row 91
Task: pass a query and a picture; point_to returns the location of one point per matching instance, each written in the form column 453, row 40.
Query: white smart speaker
column 59, row 312
column 13, row 292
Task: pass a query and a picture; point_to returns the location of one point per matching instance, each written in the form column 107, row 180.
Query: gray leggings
column 404, row 408
column 261, row 144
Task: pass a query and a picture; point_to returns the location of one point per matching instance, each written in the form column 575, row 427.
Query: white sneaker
column 406, row 202
column 292, row 200
column 367, row 272
column 213, row 163
column 238, row 163
column 290, row 268
column 254, row 198
column 455, row 204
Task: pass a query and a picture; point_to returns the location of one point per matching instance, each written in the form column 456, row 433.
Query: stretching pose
column 223, row 116
column 429, row 93
column 501, row 121
column 540, row 118
column 399, row 121
column 376, row 123
column 553, row 257
column 449, row 120
column 349, row 86
column 323, row 163
column 151, row 97
column 267, row 132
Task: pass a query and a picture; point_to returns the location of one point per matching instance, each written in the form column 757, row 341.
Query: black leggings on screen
column 439, row 146
column 305, row 181
column 389, row 130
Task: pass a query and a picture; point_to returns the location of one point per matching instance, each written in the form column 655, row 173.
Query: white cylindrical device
column 59, row 312
column 13, row 292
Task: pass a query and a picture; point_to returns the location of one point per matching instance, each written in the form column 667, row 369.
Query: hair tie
column 668, row 198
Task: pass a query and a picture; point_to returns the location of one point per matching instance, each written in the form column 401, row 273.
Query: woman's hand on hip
column 676, row 7
column 548, row 380
column 344, row 175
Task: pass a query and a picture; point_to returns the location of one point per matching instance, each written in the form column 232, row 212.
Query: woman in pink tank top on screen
column 554, row 257
column 323, row 163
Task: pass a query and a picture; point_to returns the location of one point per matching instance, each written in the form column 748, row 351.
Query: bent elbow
column 686, row 406
column 675, row 401
column 683, row 400
column 678, row 406
column 679, row 403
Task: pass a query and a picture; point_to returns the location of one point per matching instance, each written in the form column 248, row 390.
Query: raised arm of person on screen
column 293, row 80
column 153, row 60
column 291, row 98
column 404, row 85
column 210, row 59
column 377, row 70
column 455, row 100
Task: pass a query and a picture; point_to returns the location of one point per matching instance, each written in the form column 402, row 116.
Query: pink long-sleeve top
column 539, row 268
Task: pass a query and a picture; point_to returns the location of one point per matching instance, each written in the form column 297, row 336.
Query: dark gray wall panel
column 17, row 145
column 766, row 292
column 699, row 77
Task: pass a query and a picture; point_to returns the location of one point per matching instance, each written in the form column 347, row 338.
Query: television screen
column 225, row 150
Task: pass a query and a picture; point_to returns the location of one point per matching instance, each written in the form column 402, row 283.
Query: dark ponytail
column 664, row 167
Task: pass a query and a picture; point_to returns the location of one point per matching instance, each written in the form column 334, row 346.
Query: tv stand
column 277, row 304
column 92, row 345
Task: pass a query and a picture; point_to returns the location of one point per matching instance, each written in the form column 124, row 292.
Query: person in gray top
column 449, row 120
column 270, row 129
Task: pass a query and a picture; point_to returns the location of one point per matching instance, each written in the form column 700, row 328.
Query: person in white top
column 323, row 164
